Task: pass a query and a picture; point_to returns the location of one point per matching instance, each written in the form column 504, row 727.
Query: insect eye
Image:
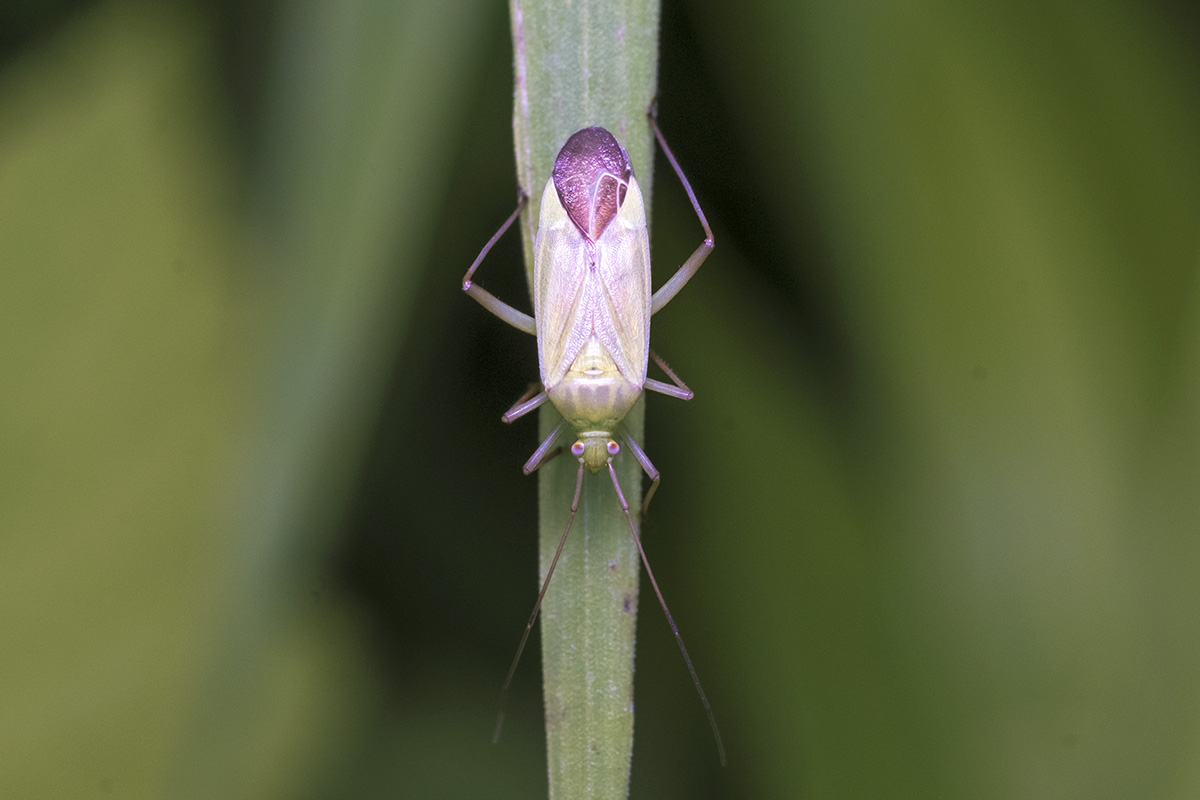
column 613, row 448
column 577, row 449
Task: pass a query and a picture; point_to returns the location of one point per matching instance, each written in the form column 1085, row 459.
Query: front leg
column 644, row 461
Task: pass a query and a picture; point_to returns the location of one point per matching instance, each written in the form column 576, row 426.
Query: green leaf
column 591, row 63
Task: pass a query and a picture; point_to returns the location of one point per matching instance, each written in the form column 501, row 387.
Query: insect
column 592, row 304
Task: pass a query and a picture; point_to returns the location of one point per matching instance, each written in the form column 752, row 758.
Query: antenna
column 712, row 720
column 538, row 605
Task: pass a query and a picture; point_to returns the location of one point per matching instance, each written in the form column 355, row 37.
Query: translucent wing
column 622, row 323
column 560, row 270
column 572, row 301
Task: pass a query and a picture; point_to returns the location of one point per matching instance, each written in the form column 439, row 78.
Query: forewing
column 623, row 320
column 559, row 275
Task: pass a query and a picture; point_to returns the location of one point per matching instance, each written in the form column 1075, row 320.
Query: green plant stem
column 576, row 65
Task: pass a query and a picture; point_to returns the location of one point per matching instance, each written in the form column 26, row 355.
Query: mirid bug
column 592, row 308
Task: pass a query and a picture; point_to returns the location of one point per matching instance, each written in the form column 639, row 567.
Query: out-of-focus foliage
column 929, row 526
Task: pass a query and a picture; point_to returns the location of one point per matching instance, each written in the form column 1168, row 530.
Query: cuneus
column 592, row 304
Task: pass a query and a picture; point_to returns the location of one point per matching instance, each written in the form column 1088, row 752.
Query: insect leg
column 685, row 272
column 518, row 319
column 542, row 454
column 644, row 460
column 679, row 390
column 712, row 720
column 525, row 404
column 538, row 605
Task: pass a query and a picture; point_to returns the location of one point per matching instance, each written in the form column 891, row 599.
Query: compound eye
column 613, row 448
column 577, row 449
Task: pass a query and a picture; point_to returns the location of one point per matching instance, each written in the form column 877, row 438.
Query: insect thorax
column 593, row 398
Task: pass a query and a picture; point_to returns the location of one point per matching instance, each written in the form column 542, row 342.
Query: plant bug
column 592, row 308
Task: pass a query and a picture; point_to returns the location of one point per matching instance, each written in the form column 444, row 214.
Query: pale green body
column 592, row 309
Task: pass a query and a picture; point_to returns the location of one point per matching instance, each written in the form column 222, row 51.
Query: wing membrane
column 573, row 301
column 623, row 269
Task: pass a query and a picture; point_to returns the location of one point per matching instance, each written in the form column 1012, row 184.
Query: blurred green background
column 929, row 526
